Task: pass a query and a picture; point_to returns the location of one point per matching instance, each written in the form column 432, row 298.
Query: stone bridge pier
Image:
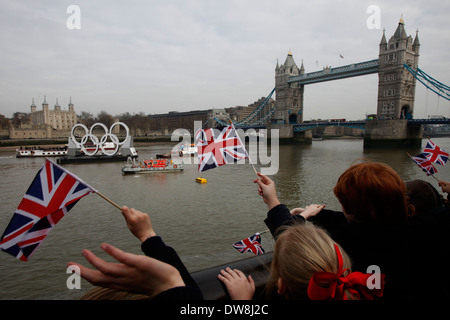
column 392, row 133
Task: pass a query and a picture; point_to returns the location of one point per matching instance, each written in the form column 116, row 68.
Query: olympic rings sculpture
column 98, row 144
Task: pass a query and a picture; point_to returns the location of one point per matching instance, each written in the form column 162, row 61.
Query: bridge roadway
column 358, row 124
column 327, row 74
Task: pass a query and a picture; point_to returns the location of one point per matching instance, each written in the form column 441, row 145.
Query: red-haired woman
column 373, row 226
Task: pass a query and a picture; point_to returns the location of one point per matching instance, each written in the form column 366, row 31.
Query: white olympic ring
column 98, row 144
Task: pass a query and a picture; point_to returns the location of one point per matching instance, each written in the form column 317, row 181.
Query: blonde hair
column 300, row 251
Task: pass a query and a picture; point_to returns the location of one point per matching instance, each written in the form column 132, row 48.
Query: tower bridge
column 397, row 66
column 396, row 85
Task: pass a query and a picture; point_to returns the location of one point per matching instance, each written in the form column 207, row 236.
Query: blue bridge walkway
column 327, row 74
column 360, row 124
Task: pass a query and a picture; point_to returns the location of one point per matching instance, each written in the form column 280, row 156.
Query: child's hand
column 266, row 189
column 238, row 285
column 445, row 186
column 309, row 211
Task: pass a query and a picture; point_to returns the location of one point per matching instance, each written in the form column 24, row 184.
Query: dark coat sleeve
column 332, row 221
column 154, row 247
column 280, row 216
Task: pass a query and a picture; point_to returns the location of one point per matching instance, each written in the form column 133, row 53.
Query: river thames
column 201, row 221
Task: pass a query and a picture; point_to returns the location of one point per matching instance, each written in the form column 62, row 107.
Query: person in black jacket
column 160, row 274
column 428, row 226
column 372, row 226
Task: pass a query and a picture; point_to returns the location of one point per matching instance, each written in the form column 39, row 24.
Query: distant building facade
column 46, row 123
column 239, row 113
column 166, row 123
column 57, row 118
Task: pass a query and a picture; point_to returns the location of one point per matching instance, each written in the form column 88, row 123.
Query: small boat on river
column 150, row 166
column 186, row 150
column 163, row 156
column 39, row 151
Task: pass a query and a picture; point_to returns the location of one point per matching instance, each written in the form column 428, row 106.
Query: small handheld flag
column 52, row 193
column 422, row 161
column 435, row 154
column 251, row 244
column 218, row 147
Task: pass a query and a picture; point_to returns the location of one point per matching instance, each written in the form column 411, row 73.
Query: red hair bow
column 332, row 286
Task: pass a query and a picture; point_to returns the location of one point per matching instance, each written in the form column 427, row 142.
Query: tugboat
column 151, row 165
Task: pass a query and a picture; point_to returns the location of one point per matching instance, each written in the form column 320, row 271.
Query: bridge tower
column 396, row 85
column 396, row 92
column 289, row 96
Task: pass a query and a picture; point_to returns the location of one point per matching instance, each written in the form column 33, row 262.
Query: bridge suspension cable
column 434, row 85
column 258, row 122
column 251, row 116
column 247, row 122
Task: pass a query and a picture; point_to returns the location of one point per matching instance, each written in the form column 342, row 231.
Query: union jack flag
column 216, row 148
column 435, row 154
column 53, row 192
column 251, row 244
column 424, row 163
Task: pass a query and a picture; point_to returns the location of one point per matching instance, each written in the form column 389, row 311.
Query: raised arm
column 138, row 223
column 266, row 189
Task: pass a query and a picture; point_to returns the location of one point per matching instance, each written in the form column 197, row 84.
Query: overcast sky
column 157, row 56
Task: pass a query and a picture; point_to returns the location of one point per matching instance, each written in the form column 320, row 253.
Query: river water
column 201, row 221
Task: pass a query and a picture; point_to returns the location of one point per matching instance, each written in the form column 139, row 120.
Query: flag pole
column 430, row 174
column 109, row 200
column 434, row 177
column 246, row 153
